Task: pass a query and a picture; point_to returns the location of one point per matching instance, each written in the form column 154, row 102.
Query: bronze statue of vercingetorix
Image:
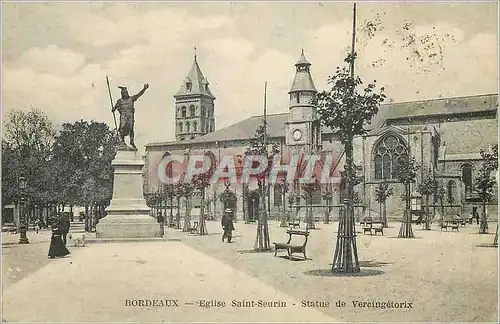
column 125, row 105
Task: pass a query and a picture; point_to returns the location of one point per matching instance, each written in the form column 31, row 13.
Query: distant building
column 444, row 135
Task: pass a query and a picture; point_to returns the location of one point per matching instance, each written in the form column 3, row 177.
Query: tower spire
column 195, row 53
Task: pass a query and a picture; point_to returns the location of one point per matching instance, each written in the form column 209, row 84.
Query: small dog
column 78, row 241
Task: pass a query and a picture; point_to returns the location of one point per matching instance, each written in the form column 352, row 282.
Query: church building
column 444, row 135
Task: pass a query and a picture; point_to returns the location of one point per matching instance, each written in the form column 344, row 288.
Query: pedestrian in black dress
column 57, row 248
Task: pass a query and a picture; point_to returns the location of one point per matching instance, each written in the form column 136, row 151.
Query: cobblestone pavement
column 447, row 276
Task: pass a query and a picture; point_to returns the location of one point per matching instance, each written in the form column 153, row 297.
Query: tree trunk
column 309, row 213
column 171, row 216
column 345, row 258
column 187, row 216
column 328, row 211
column 202, row 227
column 495, row 240
column 284, row 219
column 384, row 211
column 483, row 226
column 442, row 212
column 178, row 214
column 244, row 204
column 427, row 214
column 262, row 239
column 87, row 219
column 406, row 230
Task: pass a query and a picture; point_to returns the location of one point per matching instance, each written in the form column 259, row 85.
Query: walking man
column 161, row 220
column 64, row 227
column 227, row 225
column 475, row 214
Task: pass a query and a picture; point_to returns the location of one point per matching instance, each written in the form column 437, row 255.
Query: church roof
column 302, row 60
column 199, row 84
column 245, row 129
column 303, row 80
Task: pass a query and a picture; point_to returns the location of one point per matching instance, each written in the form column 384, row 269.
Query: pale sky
column 56, row 55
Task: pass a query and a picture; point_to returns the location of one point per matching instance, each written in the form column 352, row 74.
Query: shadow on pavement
column 329, row 273
column 207, row 234
column 256, row 251
column 372, row 264
column 286, row 257
column 490, row 245
column 10, row 244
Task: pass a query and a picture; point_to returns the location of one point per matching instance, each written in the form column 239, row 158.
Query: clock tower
column 303, row 128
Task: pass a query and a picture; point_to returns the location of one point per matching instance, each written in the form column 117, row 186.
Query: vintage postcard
column 240, row 161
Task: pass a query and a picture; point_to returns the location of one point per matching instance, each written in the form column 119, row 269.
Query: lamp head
column 22, row 182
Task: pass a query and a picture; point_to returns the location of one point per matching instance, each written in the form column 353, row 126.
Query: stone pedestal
column 128, row 215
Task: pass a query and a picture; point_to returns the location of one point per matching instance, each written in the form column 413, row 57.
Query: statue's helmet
column 124, row 90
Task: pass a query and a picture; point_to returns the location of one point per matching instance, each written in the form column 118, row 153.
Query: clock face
column 297, row 134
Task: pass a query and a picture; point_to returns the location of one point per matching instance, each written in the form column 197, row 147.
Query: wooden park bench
column 367, row 226
column 373, row 228
column 295, row 223
column 444, row 225
column 193, row 229
column 378, row 228
column 289, row 246
column 453, row 225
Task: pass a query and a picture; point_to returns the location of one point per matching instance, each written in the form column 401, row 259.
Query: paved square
column 445, row 276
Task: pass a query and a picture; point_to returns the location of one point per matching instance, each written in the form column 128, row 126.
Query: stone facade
column 444, row 135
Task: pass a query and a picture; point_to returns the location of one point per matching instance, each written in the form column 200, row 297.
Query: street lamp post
column 22, row 215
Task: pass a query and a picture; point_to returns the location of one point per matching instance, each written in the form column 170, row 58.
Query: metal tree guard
column 345, row 259
column 346, row 249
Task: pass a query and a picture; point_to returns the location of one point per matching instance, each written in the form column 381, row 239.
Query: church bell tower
column 194, row 106
column 303, row 128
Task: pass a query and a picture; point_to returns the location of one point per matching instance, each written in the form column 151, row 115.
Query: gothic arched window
column 183, row 111
column 180, row 127
column 451, row 191
column 194, row 126
column 192, row 111
column 387, row 153
column 188, row 127
column 467, row 177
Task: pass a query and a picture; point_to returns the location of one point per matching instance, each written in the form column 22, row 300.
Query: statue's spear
column 111, row 99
